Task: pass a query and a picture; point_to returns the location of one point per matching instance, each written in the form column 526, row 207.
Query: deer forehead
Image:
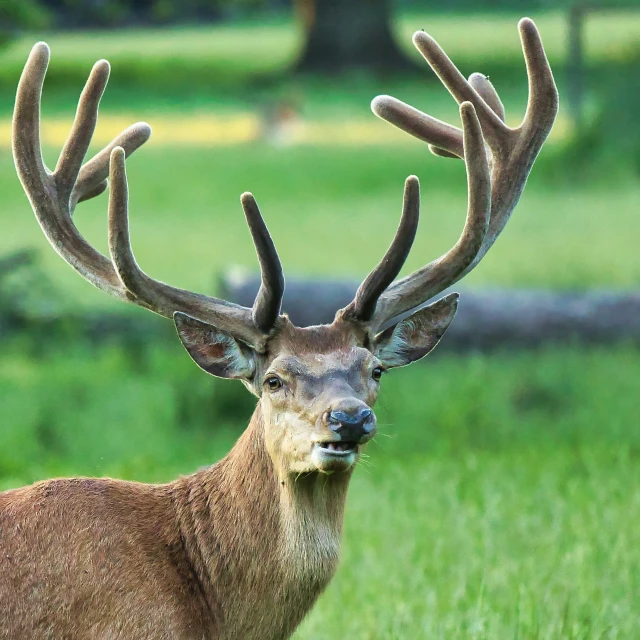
column 319, row 366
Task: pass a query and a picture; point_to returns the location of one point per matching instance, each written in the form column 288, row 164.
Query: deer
column 243, row 549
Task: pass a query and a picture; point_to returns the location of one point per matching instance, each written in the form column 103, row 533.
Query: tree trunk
column 348, row 34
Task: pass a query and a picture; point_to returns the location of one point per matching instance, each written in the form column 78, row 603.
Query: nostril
column 337, row 419
column 368, row 425
column 333, row 420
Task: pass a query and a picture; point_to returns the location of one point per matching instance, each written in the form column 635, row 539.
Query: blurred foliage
column 612, row 137
column 524, row 7
column 19, row 15
column 104, row 13
column 606, row 145
column 110, row 13
column 26, row 292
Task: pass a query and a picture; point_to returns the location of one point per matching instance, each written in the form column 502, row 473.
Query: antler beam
column 54, row 195
column 495, row 183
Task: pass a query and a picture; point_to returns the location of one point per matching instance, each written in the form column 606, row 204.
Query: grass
column 187, row 224
column 500, row 500
column 233, row 48
column 231, row 66
column 608, row 36
column 502, row 505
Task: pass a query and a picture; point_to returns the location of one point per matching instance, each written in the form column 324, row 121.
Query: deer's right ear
column 215, row 351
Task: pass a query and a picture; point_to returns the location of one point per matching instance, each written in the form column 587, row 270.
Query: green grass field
column 232, row 49
column 226, row 67
column 187, row 224
column 501, row 499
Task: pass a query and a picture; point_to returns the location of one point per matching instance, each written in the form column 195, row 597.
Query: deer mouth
column 338, row 448
column 329, row 457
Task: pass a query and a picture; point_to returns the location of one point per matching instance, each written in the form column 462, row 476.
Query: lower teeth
column 338, row 446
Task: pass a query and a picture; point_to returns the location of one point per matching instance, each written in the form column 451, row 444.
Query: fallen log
column 487, row 318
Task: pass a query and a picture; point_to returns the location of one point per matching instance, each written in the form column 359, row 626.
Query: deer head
column 317, row 385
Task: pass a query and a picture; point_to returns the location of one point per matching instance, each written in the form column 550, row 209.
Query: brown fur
column 239, row 550
column 227, row 552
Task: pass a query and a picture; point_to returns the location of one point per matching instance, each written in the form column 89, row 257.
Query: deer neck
column 262, row 548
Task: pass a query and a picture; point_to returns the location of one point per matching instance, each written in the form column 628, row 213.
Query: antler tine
column 266, row 307
column 487, row 92
column 54, row 214
column 84, row 124
column 364, row 304
column 419, row 124
column 457, row 85
column 512, row 152
column 542, row 105
column 26, row 119
column 157, row 296
column 421, row 285
column 53, row 197
column 92, row 179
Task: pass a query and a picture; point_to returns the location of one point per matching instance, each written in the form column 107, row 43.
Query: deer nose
column 351, row 424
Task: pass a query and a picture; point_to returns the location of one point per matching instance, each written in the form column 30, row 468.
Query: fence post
column 575, row 64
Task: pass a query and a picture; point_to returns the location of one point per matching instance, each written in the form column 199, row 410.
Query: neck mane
column 262, row 550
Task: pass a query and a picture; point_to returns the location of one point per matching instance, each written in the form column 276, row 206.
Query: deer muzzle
column 350, row 425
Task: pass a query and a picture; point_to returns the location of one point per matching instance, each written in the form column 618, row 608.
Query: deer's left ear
column 415, row 336
column 215, row 351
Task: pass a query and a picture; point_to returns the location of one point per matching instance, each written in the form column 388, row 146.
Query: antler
column 54, row 195
column 494, row 187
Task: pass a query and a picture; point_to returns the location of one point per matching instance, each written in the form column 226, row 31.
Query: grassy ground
column 231, row 49
column 501, row 499
column 227, row 67
column 187, row 224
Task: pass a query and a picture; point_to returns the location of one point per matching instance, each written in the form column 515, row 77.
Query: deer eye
column 273, row 383
column 376, row 374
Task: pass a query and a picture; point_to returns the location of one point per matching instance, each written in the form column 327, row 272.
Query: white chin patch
column 334, row 457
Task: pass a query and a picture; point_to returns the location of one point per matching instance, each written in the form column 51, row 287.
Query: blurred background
column 502, row 497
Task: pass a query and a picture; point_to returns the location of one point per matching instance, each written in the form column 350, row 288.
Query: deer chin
column 332, row 457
